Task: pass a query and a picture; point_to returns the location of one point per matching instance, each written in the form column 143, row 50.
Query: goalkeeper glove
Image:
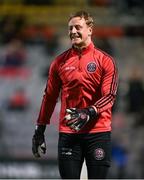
column 78, row 118
column 38, row 141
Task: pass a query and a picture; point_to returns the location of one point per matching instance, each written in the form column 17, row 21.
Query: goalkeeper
column 86, row 79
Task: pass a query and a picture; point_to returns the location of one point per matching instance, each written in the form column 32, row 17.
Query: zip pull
column 80, row 54
column 79, row 57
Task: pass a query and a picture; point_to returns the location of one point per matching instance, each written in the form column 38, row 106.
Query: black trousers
column 95, row 148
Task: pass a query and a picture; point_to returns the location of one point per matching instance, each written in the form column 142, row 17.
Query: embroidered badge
column 99, row 154
column 91, row 67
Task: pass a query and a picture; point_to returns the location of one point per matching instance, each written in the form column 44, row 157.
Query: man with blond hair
column 86, row 79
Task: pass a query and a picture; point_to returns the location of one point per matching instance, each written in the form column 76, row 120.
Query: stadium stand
column 118, row 33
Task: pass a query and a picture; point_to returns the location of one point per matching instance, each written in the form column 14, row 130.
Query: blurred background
column 32, row 34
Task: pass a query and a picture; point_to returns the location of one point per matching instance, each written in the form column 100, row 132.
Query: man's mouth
column 73, row 36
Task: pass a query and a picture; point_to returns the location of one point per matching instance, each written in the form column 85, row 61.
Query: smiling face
column 79, row 32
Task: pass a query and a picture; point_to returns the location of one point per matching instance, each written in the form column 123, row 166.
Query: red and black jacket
column 82, row 79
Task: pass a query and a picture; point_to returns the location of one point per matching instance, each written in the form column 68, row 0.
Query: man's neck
column 80, row 47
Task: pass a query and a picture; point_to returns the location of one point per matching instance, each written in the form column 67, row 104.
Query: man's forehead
column 76, row 20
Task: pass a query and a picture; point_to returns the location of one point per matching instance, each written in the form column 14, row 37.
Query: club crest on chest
column 91, row 67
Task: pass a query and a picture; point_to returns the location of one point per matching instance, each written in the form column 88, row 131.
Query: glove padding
column 78, row 118
column 38, row 141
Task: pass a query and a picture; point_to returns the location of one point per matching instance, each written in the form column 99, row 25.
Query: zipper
column 79, row 57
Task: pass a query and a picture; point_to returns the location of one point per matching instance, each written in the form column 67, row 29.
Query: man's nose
column 73, row 30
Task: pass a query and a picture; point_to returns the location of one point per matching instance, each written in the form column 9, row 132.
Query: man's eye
column 78, row 27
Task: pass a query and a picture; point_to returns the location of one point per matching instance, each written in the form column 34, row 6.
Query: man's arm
column 50, row 96
column 47, row 107
column 109, row 86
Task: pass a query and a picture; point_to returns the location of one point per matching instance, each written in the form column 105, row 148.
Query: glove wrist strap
column 40, row 129
column 93, row 113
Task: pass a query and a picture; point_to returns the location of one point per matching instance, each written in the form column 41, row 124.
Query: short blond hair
column 83, row 14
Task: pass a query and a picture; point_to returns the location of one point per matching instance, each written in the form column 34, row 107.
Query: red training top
column 86, row 78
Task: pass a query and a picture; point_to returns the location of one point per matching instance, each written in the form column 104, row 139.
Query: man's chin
column 78, row 44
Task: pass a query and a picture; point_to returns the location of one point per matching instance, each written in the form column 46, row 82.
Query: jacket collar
column 85, row 50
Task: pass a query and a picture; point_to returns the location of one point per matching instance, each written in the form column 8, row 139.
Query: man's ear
column 90, row 31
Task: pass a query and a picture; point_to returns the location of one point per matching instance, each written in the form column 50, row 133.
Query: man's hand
column 77, row 118
column 38, row 141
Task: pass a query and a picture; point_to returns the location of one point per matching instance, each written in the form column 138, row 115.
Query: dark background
column 32, row 33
